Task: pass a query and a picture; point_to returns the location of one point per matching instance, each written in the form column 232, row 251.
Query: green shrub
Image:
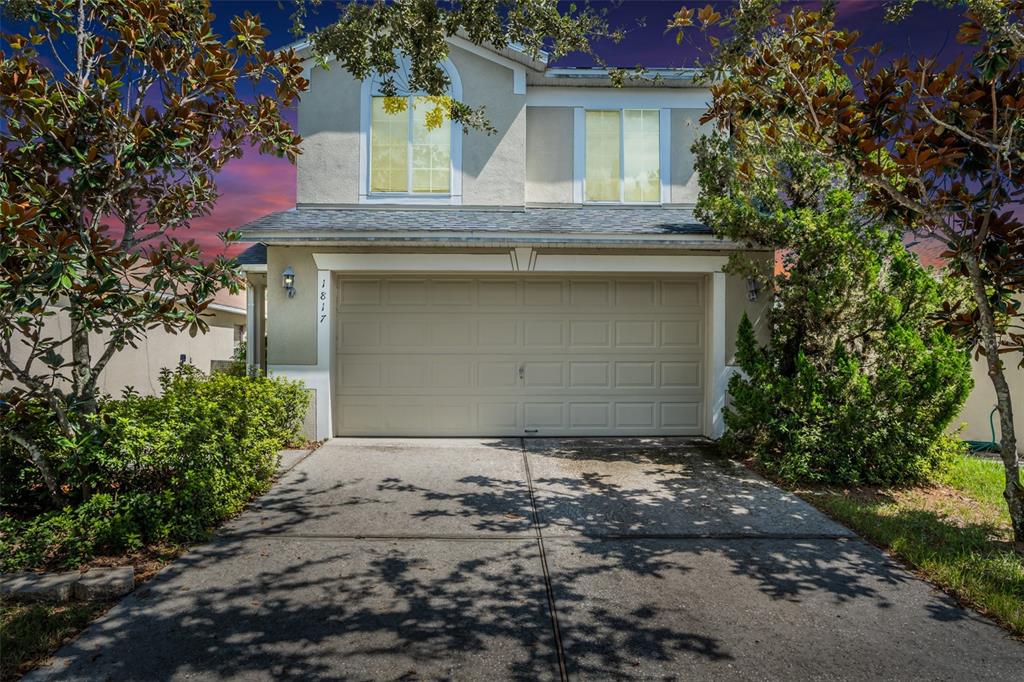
column 855, row 384
column 157, row 469
column 841, row 422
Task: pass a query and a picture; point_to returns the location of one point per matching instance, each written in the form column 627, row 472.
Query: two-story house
column 549, row 279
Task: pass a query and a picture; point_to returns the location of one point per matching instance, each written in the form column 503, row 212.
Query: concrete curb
column 94, row 583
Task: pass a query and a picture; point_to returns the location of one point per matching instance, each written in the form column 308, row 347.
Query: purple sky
column 256, row 185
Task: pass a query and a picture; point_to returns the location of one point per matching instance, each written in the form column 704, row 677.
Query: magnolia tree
column 117, row 117
column 937, row 148
column 369, row 36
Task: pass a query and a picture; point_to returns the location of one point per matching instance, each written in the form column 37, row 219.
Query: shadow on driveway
column 528, row 560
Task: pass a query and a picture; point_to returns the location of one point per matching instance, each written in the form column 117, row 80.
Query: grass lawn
column 955, row 533
column 31, row 632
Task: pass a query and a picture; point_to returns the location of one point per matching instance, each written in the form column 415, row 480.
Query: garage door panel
column 590, row 415
column 359, row 333
column 681, row 415
column 359, row 374
column 681, row 374
column 495, row 334
column 359, row 293
column 632, row 415
column 498, row 418
column 590, row 375
column 637, row 295
column 635, row 375
column 635, row 334
column 544, row 293
column 458, row 292
column 543, row 333
column 508, row 356
column 683, row 334
column 541, row 374
column 680, row 295
column 587, row 334
column 540, row 414
column 498, row 293
column 590, row 293
column 407, row 292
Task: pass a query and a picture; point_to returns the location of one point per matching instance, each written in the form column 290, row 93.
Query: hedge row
column 162, row 469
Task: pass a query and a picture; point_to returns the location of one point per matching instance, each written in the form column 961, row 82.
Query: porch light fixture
column 753, row 289
column 288, row 277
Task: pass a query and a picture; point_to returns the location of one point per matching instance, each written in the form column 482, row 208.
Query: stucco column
column 716, row 372
column 255, row 325
column 324, row 347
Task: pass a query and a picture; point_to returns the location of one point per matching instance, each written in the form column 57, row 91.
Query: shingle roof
column 254, row 255
column 633, row 220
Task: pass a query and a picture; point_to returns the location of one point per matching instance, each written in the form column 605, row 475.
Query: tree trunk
column 38, row 459
column 82, row 385
column 1013, row 492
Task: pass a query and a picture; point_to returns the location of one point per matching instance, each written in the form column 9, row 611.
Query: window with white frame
column 410, row 145
column 410, row 149
column 622, row 156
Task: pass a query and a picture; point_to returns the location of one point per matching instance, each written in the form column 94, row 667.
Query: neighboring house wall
column 140, row 367
column 975, row 413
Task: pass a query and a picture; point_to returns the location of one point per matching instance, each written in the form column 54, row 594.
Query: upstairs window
column 410, row 151
column 622, row 156
column 410, row 145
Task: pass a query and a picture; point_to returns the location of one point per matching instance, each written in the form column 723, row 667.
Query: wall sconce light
column 288, row 277
column 753, row 289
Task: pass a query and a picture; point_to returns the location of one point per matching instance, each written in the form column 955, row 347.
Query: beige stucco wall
column 974, row 415
column 328, row 168
column 549, row 164
column 140, row 367
column 291, row 322
column 549, row 142
column 493, row 166
column 737, row 303
column 686, row 129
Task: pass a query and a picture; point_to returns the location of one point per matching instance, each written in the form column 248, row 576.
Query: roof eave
column 699, row 241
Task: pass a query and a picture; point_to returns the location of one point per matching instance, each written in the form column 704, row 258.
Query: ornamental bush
column 854, row 382
column 842, row 420
column 161, row 469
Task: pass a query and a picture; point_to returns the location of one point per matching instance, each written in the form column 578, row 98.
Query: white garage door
column 487, row 356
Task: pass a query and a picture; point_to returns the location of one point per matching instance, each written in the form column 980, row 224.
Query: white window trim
column 454, row 198
column 579, row 156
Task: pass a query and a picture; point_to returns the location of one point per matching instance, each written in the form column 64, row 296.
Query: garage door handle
column 522, row 372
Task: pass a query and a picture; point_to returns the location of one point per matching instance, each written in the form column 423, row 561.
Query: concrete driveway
column 533, row 559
